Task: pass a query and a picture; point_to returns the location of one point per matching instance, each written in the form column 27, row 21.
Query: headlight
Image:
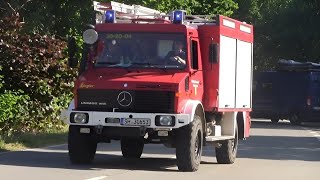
column 165, row 120
column 90, row 36
column 81, row 118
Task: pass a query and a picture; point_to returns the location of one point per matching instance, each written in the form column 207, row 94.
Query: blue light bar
column 110, row 16
column 178, row 17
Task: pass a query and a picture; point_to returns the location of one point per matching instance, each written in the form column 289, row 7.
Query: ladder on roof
column 128, row 13
column 124, row 12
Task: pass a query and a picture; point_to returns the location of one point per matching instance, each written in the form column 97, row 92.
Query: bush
column 13, row 108
column 37, row 82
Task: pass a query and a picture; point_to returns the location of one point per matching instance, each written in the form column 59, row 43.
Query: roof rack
column 125, row 13
column 140, row 14
column 200, row 19
column 291, row 65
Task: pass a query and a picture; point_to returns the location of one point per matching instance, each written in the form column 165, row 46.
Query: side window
column 164, row 46
column 194, row 55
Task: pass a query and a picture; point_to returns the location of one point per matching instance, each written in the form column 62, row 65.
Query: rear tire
column 82, row 147
column 227, row 152
column 295, row 119
column 189, row 145
column 132, row 147
column 275, row 120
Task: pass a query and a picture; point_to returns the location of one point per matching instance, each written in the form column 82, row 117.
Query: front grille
column 142, row 101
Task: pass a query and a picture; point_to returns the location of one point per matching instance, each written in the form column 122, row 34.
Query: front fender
column 64, row 114
column 190, row 108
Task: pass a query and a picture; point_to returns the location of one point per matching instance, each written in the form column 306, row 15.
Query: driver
column 111, row 53
column 177, row 56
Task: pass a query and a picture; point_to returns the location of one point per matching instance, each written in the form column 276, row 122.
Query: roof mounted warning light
column 178, row 17
column 110, row 16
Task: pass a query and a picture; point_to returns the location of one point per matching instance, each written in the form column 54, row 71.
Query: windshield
column 141, row 50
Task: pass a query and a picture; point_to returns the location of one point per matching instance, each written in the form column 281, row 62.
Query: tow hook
column 99, row 129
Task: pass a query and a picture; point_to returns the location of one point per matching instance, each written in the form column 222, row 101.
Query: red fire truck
column 146, row 77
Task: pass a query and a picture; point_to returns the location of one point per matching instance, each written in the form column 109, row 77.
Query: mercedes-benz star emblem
column 124, row 98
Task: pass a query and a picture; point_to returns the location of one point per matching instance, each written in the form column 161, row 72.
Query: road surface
column 280, row 151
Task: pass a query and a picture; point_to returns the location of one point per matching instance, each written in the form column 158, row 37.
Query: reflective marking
column 228, row 23
column 195, row 82
column 245, row 29
column 97, row 178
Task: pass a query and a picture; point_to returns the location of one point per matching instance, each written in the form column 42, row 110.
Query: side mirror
column 72, row 49
column 213, row 53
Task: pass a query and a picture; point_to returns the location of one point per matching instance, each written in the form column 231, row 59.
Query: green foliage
column 19, row 140
column 34, row 66
column 224, row 7
column 59, row 17
column 13, row 108
column 68, row 17
column 283, row 29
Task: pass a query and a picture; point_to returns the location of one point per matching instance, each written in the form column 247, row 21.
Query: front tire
column 189, row 145
column 132, row 147
column 82, row 147
column 227, row 152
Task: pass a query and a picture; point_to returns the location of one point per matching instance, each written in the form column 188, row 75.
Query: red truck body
column 154, row 102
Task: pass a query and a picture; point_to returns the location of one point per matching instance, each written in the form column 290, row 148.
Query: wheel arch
column 193, row 108
column 240, row 124
column 243, row 123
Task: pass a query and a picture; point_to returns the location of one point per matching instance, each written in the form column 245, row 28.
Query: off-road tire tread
column 185, row 138
column 224, row 153
column 132, row 147
column 82, row 147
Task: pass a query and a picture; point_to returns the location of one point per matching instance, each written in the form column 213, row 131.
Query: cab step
column 218, row 138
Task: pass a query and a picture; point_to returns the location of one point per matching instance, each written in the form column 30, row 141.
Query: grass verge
column 32, row 140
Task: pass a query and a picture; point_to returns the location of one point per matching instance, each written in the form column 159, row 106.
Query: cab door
column 195, row 74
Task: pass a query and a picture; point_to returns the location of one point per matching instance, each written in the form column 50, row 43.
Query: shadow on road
column 159, row 158
column 103, row 161
column 282, row 125
column 110, row 158
column 280, row 148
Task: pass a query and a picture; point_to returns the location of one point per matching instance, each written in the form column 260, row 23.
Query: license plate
column 135, row 122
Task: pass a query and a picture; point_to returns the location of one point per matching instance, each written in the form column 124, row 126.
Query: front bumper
column 99, row 119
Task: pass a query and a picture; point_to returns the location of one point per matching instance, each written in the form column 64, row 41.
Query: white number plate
column 135, row 122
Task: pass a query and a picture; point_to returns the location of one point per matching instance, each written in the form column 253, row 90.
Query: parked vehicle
column 146, row 77
column 291, row 92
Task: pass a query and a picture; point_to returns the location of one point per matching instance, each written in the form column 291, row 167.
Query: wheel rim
column 197, row 149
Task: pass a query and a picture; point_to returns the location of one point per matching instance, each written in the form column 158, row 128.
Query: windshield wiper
column 164, row 69
column 141, row 63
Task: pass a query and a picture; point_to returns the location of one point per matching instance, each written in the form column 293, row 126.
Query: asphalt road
column 280, row 151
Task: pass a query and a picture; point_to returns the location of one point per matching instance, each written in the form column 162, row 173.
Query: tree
column 68, row 17
column 225, row 7
column 283, row 29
